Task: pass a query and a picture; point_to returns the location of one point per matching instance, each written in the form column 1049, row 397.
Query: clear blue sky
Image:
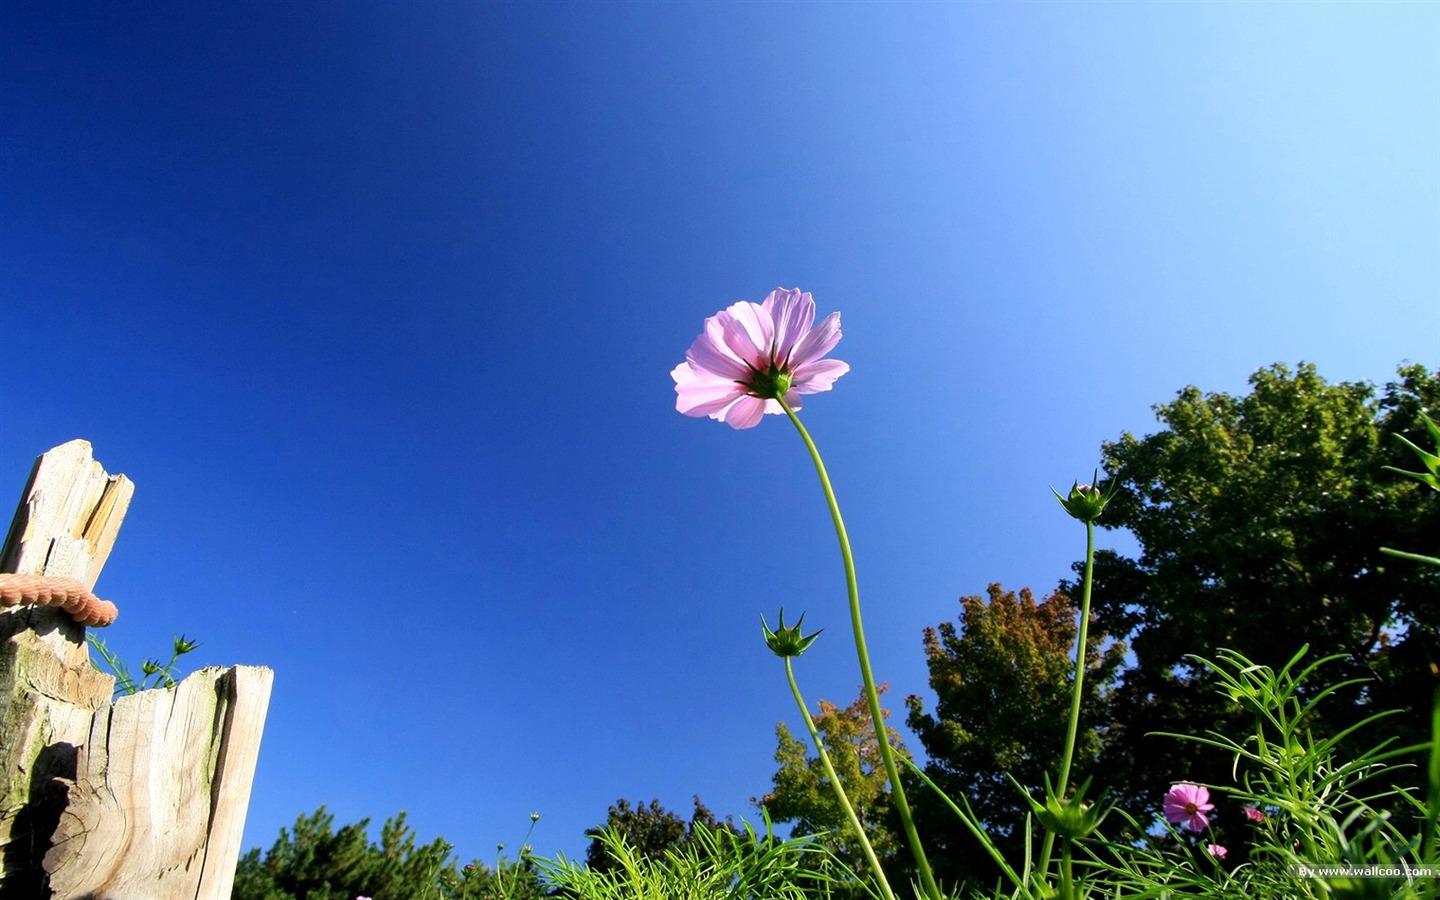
column 376, row 303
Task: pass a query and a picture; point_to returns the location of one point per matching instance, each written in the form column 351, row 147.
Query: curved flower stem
column 835, row 783
column 1077, row 690
column 872, row 696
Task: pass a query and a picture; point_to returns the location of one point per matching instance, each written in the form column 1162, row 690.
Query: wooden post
column 142, row 798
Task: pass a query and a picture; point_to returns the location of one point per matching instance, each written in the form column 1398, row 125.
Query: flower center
column 770, row 384
column 1191, row 809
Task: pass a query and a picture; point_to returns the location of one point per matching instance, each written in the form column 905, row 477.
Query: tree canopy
column 1002, row 681
column 650, row 830
column 802, row 794
column 1260, row 520
column 317, row 862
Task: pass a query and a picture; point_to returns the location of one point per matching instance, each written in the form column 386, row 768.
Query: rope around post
column 69, row 594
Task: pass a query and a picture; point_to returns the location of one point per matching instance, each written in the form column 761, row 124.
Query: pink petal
column 819, row 341
column 708, row 405
column 698, row 393
column 818, row 376
column 793, row 312
column 748, row 331
column 746, row 413
column 709, row 354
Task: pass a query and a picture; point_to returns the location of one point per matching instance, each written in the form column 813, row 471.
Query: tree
column 1002, row 681
column 803, row 796
column 318, row 863
column 651, row 830
column 1260, row 520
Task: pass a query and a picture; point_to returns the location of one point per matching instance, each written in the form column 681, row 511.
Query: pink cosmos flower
column 1254, row 814
column 1216, row 850
column 1188, row 803
column 750, row 354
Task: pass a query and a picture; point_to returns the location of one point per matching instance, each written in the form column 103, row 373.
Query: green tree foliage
column 650, row 831
column 1260, row 520
column 803, row 796
column 1002, row 681
column 315, row 862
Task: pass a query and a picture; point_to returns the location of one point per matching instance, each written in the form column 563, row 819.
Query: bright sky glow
column 377, row 305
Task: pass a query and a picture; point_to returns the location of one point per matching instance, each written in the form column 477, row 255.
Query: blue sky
column 376, row 303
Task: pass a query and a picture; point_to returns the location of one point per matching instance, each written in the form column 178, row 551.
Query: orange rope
column 70, row 594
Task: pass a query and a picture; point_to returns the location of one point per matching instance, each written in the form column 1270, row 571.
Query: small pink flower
column 1188, row 803
column 1216, row 850
column 1254, row 814
column 750, row 354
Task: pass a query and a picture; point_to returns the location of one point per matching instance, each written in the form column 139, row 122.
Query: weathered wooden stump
column 141, row 798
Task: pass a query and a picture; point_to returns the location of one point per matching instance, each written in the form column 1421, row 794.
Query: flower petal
column 818, row 376
column 702, row 394
column 745, row 413
column 793, row 312
column 748, row 331
column 710, row 354
column 819, row 341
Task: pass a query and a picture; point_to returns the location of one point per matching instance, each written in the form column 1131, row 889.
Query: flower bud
column 1086, row 501
column 787, row 641
column 1071, row 818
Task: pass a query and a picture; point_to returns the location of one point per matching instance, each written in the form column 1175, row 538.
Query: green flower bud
column 1086, row 501
column 183, row 645
column 1071, row 818
column 787, row 641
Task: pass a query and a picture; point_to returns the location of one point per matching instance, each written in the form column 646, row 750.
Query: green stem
column 1067, row 873
column 1428, row 845
column 835, row 782
column 1077, row 689
column 872, row 696
column 1080, row 649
